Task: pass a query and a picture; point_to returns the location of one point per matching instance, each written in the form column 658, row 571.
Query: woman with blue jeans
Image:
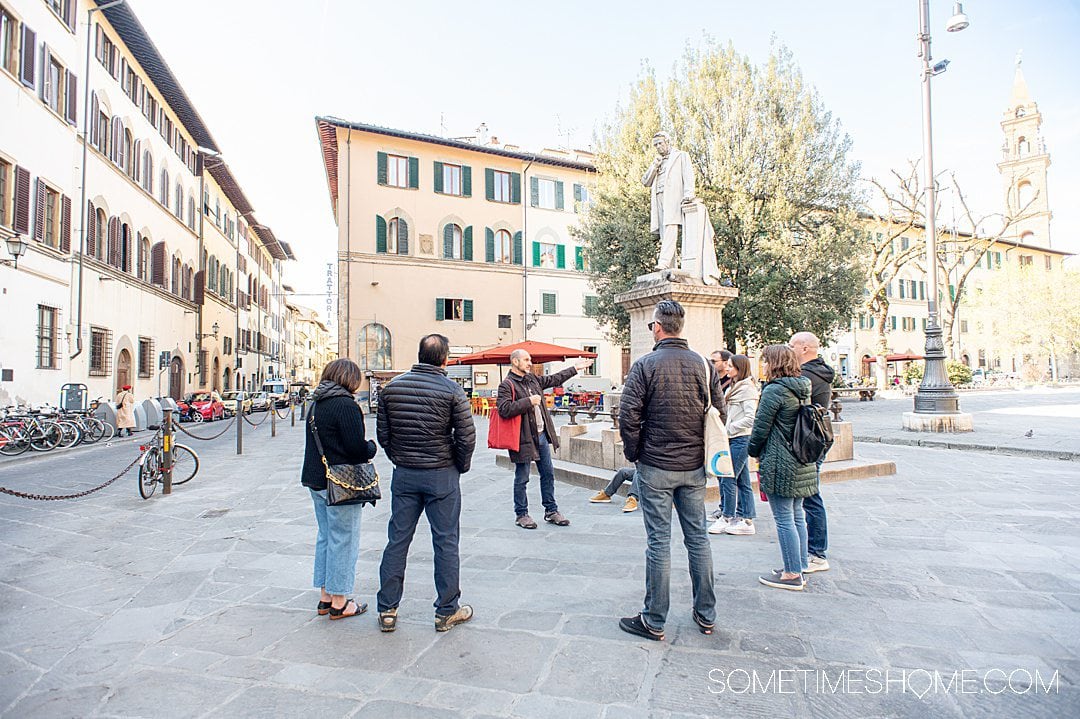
column 340, row 423
column 741, row 398
column 785, row 480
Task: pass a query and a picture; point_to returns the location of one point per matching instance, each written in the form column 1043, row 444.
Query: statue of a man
column 672, row 180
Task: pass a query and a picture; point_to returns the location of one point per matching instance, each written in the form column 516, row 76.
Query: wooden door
column 123, row 369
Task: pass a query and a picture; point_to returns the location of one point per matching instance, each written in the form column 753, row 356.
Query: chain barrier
column 282, row 416
column 205, row 439
column 266, row 415
column 49, row 497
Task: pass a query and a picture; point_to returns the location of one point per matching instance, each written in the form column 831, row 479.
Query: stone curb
column 972, row 447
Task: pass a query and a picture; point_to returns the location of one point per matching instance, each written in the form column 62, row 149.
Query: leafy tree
column 771, row 165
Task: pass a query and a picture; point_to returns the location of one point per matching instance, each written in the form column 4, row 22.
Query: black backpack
column 813, row 435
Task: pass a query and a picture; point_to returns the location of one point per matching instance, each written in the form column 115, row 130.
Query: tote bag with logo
column 717, row 452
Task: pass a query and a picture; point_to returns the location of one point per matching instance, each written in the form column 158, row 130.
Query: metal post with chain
column 240, row 426
column 166, row 453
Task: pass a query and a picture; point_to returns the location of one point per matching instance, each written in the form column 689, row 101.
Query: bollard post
column 239, row 426
column 166, row 453
column 273, row 418
column 292, row 412
column 303, row 409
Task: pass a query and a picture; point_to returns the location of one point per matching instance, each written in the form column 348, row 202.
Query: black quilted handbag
column 347, row 483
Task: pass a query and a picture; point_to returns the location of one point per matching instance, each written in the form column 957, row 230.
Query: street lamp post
column 937, row 404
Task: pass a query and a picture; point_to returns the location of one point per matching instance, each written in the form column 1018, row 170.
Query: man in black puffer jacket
column 425, row 426
column 662, row 424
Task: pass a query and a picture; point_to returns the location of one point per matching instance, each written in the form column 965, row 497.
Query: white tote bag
column 717, row 452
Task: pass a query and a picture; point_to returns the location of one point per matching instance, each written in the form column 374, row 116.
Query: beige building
column 469, row 238
column 124, row 279
column 310, row 346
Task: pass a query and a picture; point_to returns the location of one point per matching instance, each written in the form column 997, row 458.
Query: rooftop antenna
column 442, row 123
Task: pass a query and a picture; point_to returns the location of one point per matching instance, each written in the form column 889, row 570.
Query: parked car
column 208, row 405
column 260, row 401
column 234, row 397
column 278, row 391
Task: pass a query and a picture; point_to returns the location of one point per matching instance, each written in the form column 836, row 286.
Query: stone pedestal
column 843, row 443
column 958, row 422
column 704, row 304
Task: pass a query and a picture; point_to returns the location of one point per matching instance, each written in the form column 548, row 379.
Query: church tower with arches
column 1024, row 166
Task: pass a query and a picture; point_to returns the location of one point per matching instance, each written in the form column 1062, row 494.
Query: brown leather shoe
column 557, row 519
column 525, row 522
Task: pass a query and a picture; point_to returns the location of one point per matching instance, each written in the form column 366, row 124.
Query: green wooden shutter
column 381, row 174
column 438, row 176
column 489, row 183
column 560, row 256
column 466, row 181
column 466, row 244
column 577, row 192
column 536, row 254
column 380, row 234
column 440, row 309
column 414, row 172
column 515, row 188
column 448, row 242
column 548, row 303
column 402, row 236
column 489, row 244
column 466, row 310
column 892, row 322
column 519, row 250
column 534, row 191
column 579, row 259
column 591, row 302
column 559, row 204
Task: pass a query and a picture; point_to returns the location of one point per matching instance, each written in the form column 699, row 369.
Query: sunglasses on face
column 651, row 325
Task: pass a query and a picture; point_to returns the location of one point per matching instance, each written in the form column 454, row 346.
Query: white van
column 278, row 389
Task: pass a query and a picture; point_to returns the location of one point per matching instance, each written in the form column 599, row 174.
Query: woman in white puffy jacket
column 741, row 398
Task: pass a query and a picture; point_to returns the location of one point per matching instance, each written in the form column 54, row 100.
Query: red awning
column 893, row 358
column 540, row 352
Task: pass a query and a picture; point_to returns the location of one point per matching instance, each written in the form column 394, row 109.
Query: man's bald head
column 518, row 354
column 520, row 361
column 806, row 346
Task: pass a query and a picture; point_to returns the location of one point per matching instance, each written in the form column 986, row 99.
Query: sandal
column 388, row 620
column 323, row 608
column 340, row 613
column 704, row 626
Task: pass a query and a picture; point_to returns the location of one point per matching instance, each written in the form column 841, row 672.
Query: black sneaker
column 774, row 580
column 636, row 625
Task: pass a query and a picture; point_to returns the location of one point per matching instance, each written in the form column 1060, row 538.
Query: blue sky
column 545, row 74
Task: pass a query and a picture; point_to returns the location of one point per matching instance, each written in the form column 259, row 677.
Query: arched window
column 189, row 277
column 211, row 273
column 191, row 212
column 127, row 162
column 164, row 187
column 1025, row 193
column 223, row 282
column 144, row 259
column 175, row 284
column 397, row 236
column 503, row 247
column 1023, row 147
column 125, row 247
column 148, row 172
column 178, row 206
column 375, row 348
column 100, row 228
column 452, row 242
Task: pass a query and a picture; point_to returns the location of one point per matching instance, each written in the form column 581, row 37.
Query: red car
column 203, row 407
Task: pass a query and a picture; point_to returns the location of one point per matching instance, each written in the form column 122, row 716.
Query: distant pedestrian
column 125, row 411
column 626, row 474
column 522, row 394
column 340, row 424
column 741, row 398
column 721, row 360
column 662, row 425
column 425, row 425
column 785, row 481
column 807, row 348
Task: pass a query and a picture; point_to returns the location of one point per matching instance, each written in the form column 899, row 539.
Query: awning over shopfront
column 540, row 352
column 894, row 358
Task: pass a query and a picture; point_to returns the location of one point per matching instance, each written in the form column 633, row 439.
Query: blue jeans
column 336, row 546
column 744, row 507
column 817, row 525
column 624, row 474
column 547, row 480
column 436, row 493
column 790, row 531
column 659, row 490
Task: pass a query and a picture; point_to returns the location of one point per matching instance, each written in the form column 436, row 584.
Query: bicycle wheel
column 150, row 472
column 185, row 464
column 13, row 441
column 71, row 434
column 93, row 429
column 107, row 430
column 45, row 437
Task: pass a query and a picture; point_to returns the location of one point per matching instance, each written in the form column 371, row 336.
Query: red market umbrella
column 540, row 352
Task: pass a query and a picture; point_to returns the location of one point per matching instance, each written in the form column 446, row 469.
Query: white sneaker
column 719, row 525
column 817, row 564
column 740, row 526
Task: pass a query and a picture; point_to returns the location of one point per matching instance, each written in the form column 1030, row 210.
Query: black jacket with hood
column 821, row 376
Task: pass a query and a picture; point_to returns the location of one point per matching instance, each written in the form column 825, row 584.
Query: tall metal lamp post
column 937, row 405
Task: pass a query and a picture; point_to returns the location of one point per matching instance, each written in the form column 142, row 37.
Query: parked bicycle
column 185, row 464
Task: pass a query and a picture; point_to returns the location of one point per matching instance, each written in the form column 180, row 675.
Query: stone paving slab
column 199, row 604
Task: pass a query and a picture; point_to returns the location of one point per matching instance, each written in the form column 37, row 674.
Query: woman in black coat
column 340, row 424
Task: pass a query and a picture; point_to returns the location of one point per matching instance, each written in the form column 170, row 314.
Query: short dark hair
column 344, row 372
column 782, row 362
column 724, row 355
column 669, row 314
column 434, row 349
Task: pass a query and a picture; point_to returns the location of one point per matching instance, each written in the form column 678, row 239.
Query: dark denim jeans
column 743, row 506
column 547, row 480
column 437, row 493
column 817, row 524
column 659, row 491
column 624, row 474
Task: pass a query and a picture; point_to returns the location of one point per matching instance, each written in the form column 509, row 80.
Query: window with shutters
column 548, row 304
column 504, row 322
column 53, row 91
column 178, row 202
column 9, row 42
column 545, row 195
column 453, row 309
column 592, row 304
column 503, row 247
column 52, row 218
column 6, row 206
column 164, row 188
column 591, row 370
column 581, row 198
column 452, row 242
column 1049, row 260
column 102, row 144
column 397, row 171
column 501, row 186
column 100, row 349
column 548, row 254
column 451, row 179
column 393, row 227
column 963, row 326
column 47, row 338
column 191, row 212
column 146, row 357
column 1026, row 260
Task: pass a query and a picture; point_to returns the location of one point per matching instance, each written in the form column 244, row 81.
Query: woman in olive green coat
column 785, row 480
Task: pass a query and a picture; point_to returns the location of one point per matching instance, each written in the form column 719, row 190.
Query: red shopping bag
column 504, row 433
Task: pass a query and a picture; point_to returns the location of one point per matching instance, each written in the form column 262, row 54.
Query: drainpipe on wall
column 348, row 247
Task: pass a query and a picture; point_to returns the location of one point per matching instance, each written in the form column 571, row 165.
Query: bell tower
column 1023, row 166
